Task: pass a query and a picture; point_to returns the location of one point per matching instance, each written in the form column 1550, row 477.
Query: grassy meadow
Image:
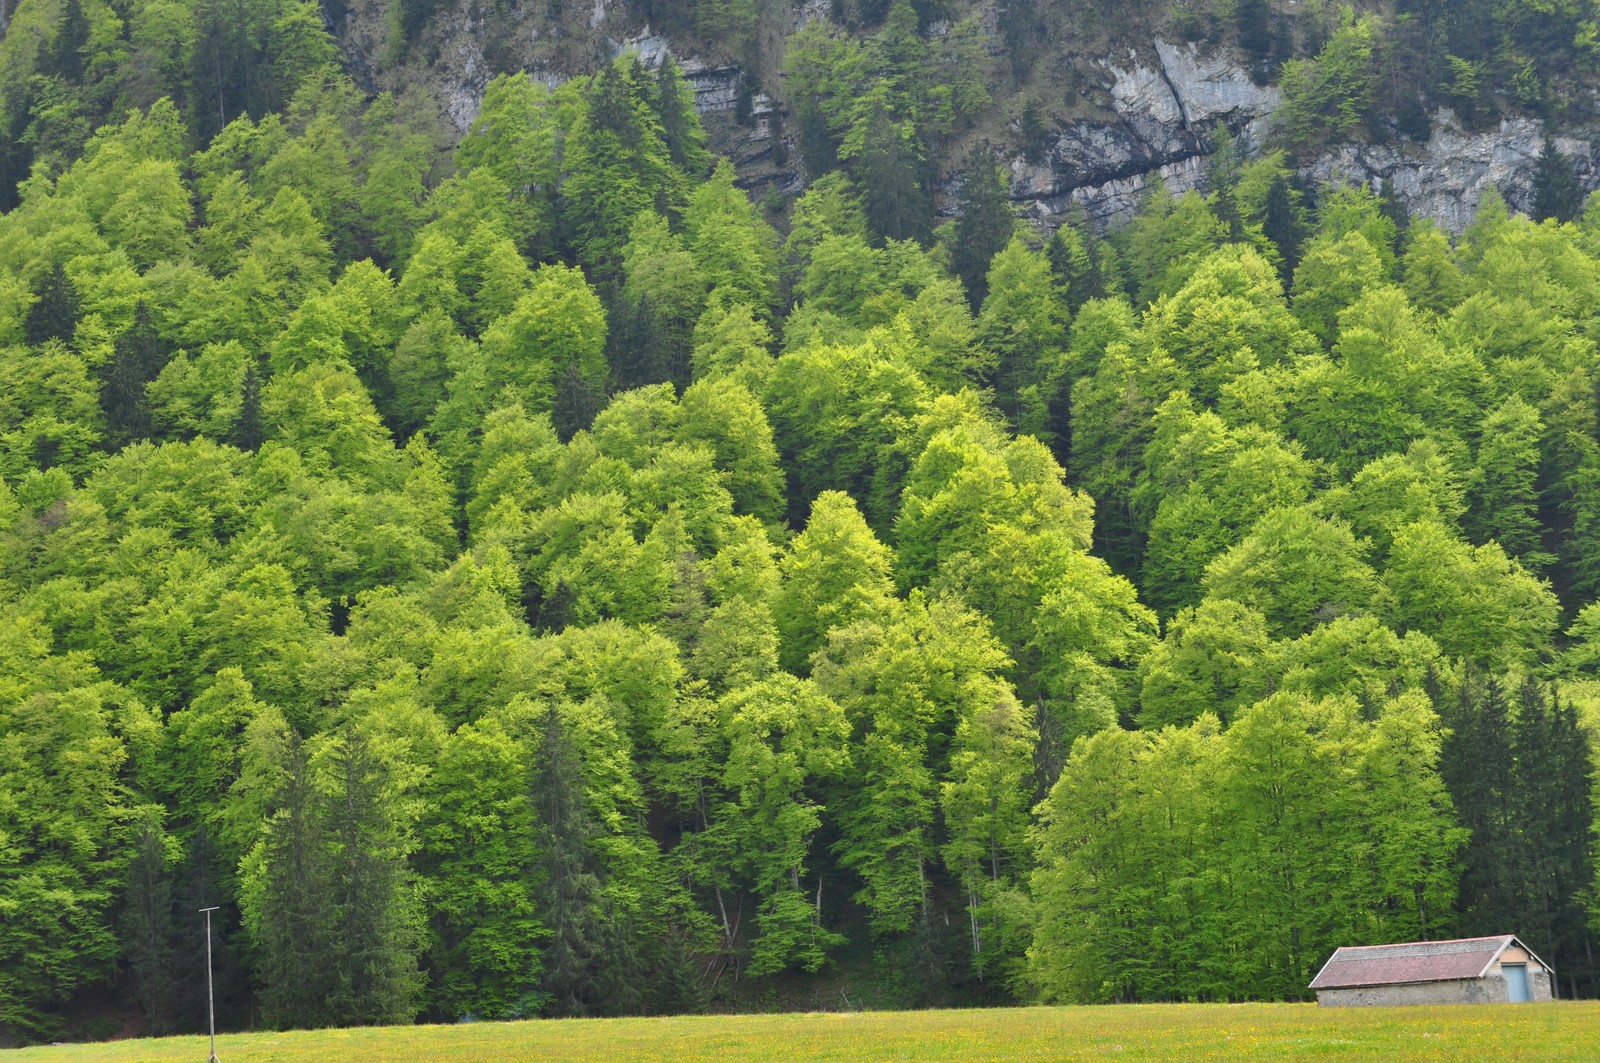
column 1179, row 1033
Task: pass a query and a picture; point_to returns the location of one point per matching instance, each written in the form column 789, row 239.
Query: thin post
column 211, row 1001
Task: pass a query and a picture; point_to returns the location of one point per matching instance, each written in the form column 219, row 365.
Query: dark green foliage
column 889, row 171
column 1556, row 192
column 297, row 946
column 137, row 357
column 1520, row 780
column 591, row 966
column 338, row 924
column 54, row 314
column 72, row 33
column 985, row 223
column 148, row 929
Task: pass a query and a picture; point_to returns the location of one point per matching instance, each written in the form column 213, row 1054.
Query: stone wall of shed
column 1489, row 990
column 1539, row 987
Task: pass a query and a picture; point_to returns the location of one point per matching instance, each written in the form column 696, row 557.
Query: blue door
column 1516, row 982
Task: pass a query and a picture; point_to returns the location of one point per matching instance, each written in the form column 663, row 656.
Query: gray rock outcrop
column 1165, row 111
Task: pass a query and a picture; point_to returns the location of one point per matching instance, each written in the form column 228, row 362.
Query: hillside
column 518, row 572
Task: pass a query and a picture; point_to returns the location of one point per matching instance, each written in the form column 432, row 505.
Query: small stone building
column 1494, row 970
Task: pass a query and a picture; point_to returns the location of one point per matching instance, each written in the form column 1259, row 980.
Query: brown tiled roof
column 1422, row 961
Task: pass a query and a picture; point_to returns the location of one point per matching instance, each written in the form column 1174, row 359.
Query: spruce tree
column 137, row 357
column 147, row 926
column 54, row 314
column 1476, row 762
column 248, row 433
column 589, row 964
column 1553, row 812
column 296, row 966
column 1282, row 225
column 72, row 33
column 680, row 122
column 371, row 908
column 888, row 171
column 985, row 224
column 1556, row 192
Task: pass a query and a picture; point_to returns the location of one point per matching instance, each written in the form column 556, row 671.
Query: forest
column 543, row 580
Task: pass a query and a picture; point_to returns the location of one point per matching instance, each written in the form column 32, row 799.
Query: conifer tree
column 54, row 314
column 137, row 358
column 985, row 223
column 1556, row 192
column 888, row 170
column 590, row 965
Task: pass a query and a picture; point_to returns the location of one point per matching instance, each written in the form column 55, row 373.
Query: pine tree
column 985, row 224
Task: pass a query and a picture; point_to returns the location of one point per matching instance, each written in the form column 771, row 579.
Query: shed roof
column 1418, row 961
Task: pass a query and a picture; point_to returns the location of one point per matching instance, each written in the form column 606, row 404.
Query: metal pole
column 211, row 1002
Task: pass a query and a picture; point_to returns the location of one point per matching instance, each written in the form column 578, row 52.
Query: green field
column 1180, row 1033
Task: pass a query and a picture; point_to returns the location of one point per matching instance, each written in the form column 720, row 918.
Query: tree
column 784, row 739
column 590, row 966
column 1505, row 504
column 1326, row 98
column 551, row 346
column 53, row 315
column 736, row 251
column 1025, row 326
column 1297, row 569
column 1556, row 192
column 984, row 225
column 1211, row 660
column 138, row 357
column 887, row 166
column 1475, row 602
column 835, row 572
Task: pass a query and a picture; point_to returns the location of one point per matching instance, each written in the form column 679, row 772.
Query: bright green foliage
column 1431, row 574
column 1025, row 326
column 734, row 249
column 835, row 572
column 1211, row 659
column 784, row 738
column 514, row 138
column 1506, row 495
column 618, row 163
column 1297, row 569
column 1166, row 239
column 1308, row 810
column 520, row 636
column 1326, row 98
column 1333, row 273
column 64, row 772
column 548, row 353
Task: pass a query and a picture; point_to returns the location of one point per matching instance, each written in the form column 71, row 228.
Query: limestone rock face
column 1166, row 109
column 1444, row 178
